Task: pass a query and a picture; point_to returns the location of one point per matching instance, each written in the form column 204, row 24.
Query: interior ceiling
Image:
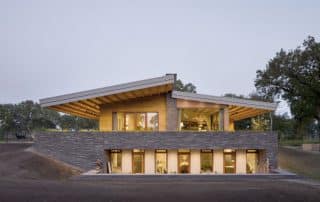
column 235, row 112
column 238, row 113
column 90, row 108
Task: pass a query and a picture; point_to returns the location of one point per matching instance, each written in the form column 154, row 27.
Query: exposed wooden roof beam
column 73, row 112
column 252, row 113
column 88, row 107
column 92, row 104
column 79, row 108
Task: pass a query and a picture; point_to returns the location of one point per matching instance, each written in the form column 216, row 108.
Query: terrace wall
column 82, row 149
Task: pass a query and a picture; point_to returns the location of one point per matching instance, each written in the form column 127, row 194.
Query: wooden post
column 221, row 119
column 226, row 119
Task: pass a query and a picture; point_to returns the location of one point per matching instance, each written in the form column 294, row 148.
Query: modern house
column 148, row 127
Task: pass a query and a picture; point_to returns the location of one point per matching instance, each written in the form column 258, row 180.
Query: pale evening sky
column 50, row 48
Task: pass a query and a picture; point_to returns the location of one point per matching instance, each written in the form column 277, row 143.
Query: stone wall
column 172, row 113
column 82, row 149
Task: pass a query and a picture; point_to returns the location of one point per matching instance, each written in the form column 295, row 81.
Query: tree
column 295, row 77
column 23, row 118
column 188, row 87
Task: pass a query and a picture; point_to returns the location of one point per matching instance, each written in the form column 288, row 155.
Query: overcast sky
column 50, row 48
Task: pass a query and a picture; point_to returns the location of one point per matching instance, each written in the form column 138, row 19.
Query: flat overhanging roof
column 238, row 108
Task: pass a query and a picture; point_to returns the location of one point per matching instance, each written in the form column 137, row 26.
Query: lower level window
column 183, row 161
column 252, row 161
column 116, row 161
column 138, row 161
column 161, row 161
column 229, row 158
column 206, row 159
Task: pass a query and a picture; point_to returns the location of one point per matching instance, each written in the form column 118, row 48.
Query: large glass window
column 199, row 120
column 161, row 161
column 152, row 121
column 229, row 157
column 206, row 161
column 252, row 161
column 138, row 161
column 116, row 161
column 184, row 161
column 134, row 121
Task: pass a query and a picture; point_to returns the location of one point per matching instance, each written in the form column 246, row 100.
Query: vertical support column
column 224, row 119
column 195, row 162
column 172, row 161
column 271, row 121
column 114, row 121
column 241, row 161
column 226, row 125
column 149, row 162
column 172, row 113
column 179, row 120
column 126, row 161
column 221, row 119
column 218, row 161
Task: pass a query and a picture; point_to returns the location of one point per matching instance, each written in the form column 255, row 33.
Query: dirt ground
column 301, row 162
column 15, row 162
column 28, row 177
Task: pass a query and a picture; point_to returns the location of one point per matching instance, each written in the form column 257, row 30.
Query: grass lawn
column 300, row 162
column 296, row 142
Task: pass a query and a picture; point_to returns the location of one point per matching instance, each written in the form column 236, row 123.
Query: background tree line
column 25, row 117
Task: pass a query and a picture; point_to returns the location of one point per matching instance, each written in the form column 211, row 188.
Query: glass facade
column 206, row 161
column 229, row 158
column 161, row 162
column 195, row 120
column 179, row 161
column 116, row 161
column 136, row 121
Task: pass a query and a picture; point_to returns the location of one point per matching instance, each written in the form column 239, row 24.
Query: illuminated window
column 252, row 160
column 116, row 161
column 138, row 161
column 206, row 160
column 229, row 157
column 199, row 120
column 161, row 161
column 183, row 161
column 134, row 121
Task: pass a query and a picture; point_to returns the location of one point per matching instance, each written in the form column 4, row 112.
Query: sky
column 50, row 48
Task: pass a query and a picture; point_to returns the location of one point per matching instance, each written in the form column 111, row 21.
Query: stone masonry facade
column 82, row 149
